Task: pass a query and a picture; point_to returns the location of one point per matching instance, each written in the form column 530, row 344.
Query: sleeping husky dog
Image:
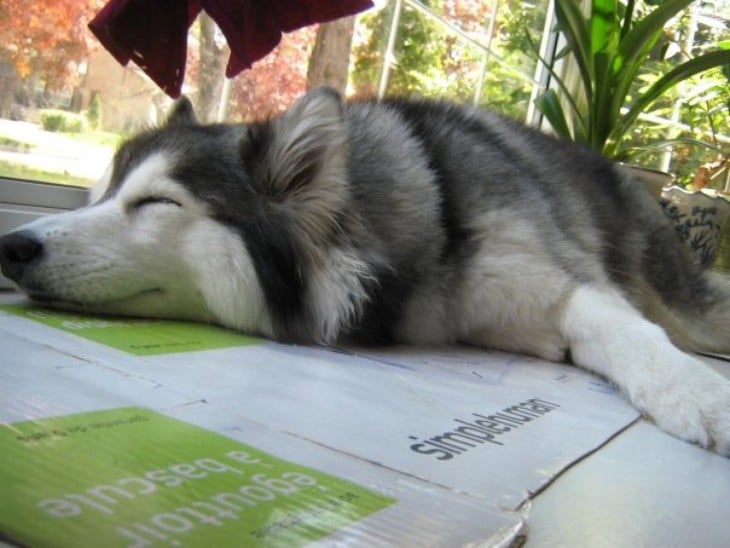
column 409, row 221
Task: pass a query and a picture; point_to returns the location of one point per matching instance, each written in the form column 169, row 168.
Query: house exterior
column 129, row 99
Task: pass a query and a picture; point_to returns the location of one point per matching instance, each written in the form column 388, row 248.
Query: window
column 65, row 103
column 469, row 50
column 693, row 119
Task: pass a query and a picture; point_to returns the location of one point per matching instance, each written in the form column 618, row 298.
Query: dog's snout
column 17, row 251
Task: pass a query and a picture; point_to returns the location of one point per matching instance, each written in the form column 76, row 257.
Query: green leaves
column 672, row 78
column 574, row 27
column 610, row 47
column 725, row 44
column 549, row 104
column 605, row 34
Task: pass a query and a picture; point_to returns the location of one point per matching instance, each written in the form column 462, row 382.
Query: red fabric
column 153, row 33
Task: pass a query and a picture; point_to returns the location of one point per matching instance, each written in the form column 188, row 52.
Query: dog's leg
column 681, row 394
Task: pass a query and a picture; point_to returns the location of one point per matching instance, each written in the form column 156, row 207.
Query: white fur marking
column 111, row 257
column 336, row 293
column 151, row 179
column 100, row 187
column 226, row 277
column 683, row 396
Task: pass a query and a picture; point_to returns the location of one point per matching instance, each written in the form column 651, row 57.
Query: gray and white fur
column 404, row 221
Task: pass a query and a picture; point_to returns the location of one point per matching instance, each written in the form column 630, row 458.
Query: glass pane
column 687, row 129
column 66, row 103
column 444, row 58
column 47, row 130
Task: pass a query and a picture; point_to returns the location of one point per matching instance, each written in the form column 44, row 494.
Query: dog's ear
column 182, row 113
column 305, row 161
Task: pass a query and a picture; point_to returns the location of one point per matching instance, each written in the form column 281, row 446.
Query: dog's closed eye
column 152, row 200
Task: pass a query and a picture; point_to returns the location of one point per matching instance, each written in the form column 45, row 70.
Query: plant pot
column 700, row 218
column 722, row 262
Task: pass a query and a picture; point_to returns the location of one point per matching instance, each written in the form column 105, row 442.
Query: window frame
column 22, row 201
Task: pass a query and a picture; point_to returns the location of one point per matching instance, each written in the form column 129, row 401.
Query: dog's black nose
column 17, row 251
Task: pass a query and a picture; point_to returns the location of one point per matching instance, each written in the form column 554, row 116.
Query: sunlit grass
column 100, row 138
column 18, row 171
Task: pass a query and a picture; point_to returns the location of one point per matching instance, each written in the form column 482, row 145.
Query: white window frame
column 23, row 201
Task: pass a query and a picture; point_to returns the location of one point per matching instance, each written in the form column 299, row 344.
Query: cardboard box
column 123, row 432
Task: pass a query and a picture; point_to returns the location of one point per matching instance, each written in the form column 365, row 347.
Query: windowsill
column 39, row 194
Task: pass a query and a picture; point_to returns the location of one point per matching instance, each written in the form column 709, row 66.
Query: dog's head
column 191, row 221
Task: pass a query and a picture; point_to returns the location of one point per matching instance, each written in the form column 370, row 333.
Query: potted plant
column 609, row 46
column 701, row 211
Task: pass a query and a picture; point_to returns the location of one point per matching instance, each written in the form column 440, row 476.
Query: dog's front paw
column 693, row 404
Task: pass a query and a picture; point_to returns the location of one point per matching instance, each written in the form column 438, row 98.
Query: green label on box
column 133, row 477
column 138, row 337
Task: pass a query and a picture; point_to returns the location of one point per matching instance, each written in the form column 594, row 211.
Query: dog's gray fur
column 409, row 221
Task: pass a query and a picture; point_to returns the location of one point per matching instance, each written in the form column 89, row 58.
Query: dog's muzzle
column 18, row 251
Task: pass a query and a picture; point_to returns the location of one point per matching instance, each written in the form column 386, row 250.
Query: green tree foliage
column 93, row 114
column 61, row 120
column 701, row 104
column 431, row 61
column 419, row 52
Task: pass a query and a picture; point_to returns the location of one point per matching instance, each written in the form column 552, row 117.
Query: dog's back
column 466, row 187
